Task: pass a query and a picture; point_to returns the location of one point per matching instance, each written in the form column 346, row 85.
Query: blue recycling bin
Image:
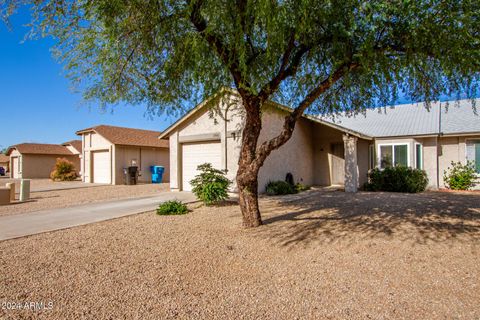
column 157, row 173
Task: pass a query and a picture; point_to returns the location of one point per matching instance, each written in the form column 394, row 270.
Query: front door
column 338, row 164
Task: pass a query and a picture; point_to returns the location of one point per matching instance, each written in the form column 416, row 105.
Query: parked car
column 2, row 171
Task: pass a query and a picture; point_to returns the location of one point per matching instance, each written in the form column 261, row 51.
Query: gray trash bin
column 130, row 175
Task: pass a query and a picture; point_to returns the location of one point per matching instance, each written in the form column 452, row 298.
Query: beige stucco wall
column 307, row 155
column 36, row 166
column 295, row 156
column 144, row 157
column 362, row 160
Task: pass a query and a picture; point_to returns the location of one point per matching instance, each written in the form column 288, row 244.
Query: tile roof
column 129, row 136
column 457, row 117
column 77, row 144
column 4, row 158
column 40, row 148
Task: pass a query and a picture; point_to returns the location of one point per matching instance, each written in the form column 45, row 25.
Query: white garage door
column 16, row 168
column 194, row 154
column 101, row 166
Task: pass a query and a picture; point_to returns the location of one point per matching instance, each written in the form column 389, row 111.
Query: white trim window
column 393, row 154
column 473, row 153
column 418, row 156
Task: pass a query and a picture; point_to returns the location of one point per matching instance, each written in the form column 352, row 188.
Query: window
column 473, row 153
column 393, row 155
column 418, row 156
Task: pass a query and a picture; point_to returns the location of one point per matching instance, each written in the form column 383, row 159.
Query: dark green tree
column 316, row 56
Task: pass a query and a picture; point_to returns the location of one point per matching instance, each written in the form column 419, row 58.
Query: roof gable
column 77, row 144
column 232, row 92
column 128, row 136
column 40, row 148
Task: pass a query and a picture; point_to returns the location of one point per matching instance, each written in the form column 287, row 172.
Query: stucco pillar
column 351, row 173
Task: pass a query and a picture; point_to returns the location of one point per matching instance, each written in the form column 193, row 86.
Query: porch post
column 351, row 173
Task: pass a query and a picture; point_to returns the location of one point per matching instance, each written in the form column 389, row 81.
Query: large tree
column 316, row 56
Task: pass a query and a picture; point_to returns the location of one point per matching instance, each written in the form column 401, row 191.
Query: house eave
column 180, row 121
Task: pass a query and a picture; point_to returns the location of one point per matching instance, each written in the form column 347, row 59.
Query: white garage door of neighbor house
column 101, row 167
column 16, row 168
column 194, row 154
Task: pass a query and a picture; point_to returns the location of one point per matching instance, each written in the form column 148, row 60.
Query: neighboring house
column 323, row 151
column 75, row 147
column 37, row 160
column 4, row 161
column 107, row 150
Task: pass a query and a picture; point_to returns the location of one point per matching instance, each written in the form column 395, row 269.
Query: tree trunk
column 247, row 174
column 248, row 191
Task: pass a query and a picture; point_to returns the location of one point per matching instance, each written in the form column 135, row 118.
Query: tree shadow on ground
column 326, row 217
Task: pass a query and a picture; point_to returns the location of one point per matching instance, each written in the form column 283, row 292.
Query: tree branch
column 227, row 56
column 290, row 120
column 284, row 71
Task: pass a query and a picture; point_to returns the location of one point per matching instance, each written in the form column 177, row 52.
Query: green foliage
column 211, row 185
column 460, row 176
column 172, row 207
column 64, row 171
column 162, row 52
column 280, row 187
column 301, row 187
column 397, row 179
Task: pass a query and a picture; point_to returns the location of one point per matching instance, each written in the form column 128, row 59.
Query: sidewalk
column 26, row 224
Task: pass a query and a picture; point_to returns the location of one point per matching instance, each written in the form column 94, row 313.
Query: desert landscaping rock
column 72, row 197
column 321, row 255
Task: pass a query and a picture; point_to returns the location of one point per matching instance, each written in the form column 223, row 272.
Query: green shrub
column 172, row 207
column 397, row 179
column 301, row 187
column 211, row 185
column 274, row 188
column 64, row 170
column 460, row 176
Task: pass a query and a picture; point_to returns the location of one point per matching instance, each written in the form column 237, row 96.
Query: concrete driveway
column 55, row 219
column 41, row 185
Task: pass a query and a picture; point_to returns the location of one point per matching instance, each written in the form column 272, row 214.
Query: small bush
column 211, row 185
column 459, row 176
column 64, row 170
column 397, row 179
column 172, row 207
column 301, row 187
column 275, row 188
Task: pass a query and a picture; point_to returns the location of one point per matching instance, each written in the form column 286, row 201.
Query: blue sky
column 36, row 103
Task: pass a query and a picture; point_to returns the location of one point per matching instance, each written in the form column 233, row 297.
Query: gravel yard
column 319, row 255
column 72, row 197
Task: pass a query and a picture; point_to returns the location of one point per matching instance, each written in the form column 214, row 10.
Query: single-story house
column 107, row 150
column 322, row 150
column 4, row 161
column 37, row 160
column 75, row 147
